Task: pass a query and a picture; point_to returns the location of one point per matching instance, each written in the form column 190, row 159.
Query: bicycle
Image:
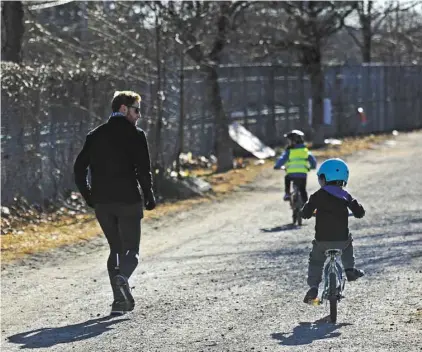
column 334, row 282
column 296, row 204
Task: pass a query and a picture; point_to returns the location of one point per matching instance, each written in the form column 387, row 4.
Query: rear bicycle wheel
column 299, row 205
column 294, row 210
column 299, row 218
column 333, row 297
column 294, row 217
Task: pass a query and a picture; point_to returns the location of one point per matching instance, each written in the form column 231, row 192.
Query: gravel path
column 230, row 276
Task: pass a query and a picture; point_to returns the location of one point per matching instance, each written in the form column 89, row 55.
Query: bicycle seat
column 334, row 252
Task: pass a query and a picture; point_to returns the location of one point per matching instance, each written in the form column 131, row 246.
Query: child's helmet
column 295, row 136
column 334, row 170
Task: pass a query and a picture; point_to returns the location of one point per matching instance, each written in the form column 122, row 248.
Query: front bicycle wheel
column 333, row 297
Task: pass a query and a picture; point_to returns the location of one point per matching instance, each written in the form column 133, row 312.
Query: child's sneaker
column 286, row 197
column 311, row 295
column 353, row 274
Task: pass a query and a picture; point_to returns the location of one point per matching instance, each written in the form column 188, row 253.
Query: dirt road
column 231, row 276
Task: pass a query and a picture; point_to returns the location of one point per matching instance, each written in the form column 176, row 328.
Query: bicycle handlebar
column 284, row 168
column 349, row 214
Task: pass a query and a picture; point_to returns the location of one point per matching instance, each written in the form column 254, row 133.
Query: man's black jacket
column 116, row 154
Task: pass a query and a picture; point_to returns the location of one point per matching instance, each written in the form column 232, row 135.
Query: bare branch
column 46, row 4
column 351, row 30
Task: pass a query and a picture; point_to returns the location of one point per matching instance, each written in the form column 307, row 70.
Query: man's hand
column 150, row 200
column 88, row 199
column 89, row 203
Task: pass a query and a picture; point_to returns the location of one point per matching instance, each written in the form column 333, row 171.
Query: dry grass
column 48, row 235
column 76, row 228
column 351, row 145
column 223, row 183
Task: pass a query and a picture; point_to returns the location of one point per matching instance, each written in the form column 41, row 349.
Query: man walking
column 117, row 156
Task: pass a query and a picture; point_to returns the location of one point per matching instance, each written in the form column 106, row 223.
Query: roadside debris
column 21, row 213
column 249, row 142
column 333, row 141
column 189, row 161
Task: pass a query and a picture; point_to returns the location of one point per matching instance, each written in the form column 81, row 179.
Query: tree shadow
column 390, row 253
column 281, row 228
column 383, row 222
column 306, row 332
column 47, row 337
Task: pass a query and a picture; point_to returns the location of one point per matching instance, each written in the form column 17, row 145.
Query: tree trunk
column 271, row 122
column 157, row 165
column 159, row 110
column 367, row 39
column 311, row 59
column 12, row 31
column 224, row 149
column 181, row 113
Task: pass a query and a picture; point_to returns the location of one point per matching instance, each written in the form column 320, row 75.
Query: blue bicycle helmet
column 334, row 170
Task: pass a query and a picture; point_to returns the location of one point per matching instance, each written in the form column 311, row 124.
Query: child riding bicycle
column 331, row 203
column 298, row 160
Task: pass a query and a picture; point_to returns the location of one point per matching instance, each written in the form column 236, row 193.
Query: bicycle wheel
column 299, row 219
column 333, row 298
column 298, row 205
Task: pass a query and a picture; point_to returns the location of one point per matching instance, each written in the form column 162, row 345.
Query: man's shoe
column 118, row 307
column 122, row 284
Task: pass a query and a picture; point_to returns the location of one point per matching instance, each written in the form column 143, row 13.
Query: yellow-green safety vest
column 298, row 161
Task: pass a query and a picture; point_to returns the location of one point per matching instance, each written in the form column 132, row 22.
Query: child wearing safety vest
column 331, row 203
column 298, row 160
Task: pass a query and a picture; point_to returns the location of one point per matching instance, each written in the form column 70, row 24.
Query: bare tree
column 127, row 40
column 306, row 29
column 371, row 19
column 400, row 37
column 12, row 30
column 99, row 38
column 203, row 28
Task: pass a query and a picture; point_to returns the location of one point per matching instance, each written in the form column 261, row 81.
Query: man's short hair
column 125, row 97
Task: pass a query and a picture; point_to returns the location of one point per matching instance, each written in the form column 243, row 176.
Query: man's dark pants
column 121, row 224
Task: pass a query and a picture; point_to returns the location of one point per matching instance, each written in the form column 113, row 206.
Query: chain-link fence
column 46, row 115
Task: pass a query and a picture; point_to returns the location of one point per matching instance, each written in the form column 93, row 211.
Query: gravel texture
column 231, row 276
